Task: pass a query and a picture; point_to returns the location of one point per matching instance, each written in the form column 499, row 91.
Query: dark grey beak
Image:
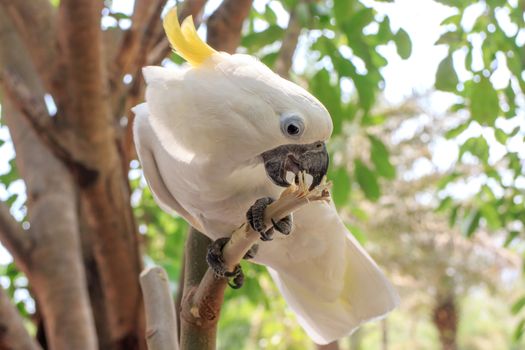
column 311, row 158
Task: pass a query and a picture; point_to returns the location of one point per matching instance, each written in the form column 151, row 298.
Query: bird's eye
column 292, row 126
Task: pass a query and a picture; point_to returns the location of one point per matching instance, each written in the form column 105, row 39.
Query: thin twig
column 288, row 46
column 161, row 333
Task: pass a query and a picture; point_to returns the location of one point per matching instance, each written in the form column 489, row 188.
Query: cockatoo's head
column 238, row 107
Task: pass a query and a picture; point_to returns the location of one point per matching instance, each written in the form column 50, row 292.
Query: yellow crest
column 184, row 39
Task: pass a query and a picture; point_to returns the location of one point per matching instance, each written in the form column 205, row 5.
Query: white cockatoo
column 218, row 139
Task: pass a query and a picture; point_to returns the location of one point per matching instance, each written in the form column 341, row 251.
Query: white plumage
column 199, row 137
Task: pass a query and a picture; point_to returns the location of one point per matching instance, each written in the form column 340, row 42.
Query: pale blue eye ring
column 292, row 126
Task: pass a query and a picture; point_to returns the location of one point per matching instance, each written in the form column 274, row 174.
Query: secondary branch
column 13, row 335
column 35, row 22
column 13, row 237
column 201, row 305
column 288, row 45
column 161, row 332
column 225, row 24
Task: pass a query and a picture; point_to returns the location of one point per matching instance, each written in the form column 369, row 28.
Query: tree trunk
column 81, row 254
column 445, row 317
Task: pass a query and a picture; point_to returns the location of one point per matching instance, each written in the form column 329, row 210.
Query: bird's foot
column 252, row 252
column 215, row 260
column 255, row 217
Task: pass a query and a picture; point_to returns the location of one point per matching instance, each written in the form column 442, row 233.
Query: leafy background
column 430, row 182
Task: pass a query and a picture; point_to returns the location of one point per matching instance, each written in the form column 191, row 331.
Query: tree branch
column 146, row 15
column 161, row 332
column 288, row 46
column 225, row 24
column 203, row 300
column 35, row 22
column 331, row 346
column 13, row 334
column 154, row 47
column 51, row 194
column 87, row 78
column 13, row 237
column 33, row 108
column 194, row 333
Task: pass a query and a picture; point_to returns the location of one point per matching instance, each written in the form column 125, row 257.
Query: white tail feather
column 363, row 292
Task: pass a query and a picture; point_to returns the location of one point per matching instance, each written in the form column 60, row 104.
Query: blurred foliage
column 340, row 44
column 341, row 64
column 484, row 68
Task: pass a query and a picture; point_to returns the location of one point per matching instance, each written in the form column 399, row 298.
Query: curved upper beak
column 311, row 158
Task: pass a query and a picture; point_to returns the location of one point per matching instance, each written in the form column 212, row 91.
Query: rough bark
column 53, row 263
column 13, row 334
column 100, row 172
column 35, row 22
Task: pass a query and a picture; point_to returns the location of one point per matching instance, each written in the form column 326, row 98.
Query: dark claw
column 267, row 235
column 255, row 216
column 216, row 263
column 250, row 254
column 238, row 279
column 284, row 225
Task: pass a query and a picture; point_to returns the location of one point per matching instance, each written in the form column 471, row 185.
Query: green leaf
column 256, row 41
column 510, row 237
column 453, row 216
column 384, row 34
column 270, row 15
column 446, row 77
column 452, row 39
column 270, row 59
column 365, row 90
column 444, row 181
column 403, row 44
column 484, row 103
column 491, row 215
column 342, row 11
column 303, row 13
column 359, row 20
column 454, row 19
column 518, row 305
column 500, row 136
column 445, row 203
column 518, row 332
column 471, row 223
column 456, row 131
column 341, row 187
column 477, row 146
column 329, row 95
column 357, row 233
column 380, row 157
column 367, row 180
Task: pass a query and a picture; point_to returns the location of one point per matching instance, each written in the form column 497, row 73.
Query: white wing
column 150, row 153
column 327, row 278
